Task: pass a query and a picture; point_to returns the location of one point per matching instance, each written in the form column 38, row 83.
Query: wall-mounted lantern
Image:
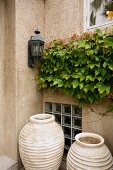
column 35, row 49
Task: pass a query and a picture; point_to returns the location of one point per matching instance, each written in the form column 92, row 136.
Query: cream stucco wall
column 94, row 121
column 10, row 81
column 29, row 16
column 2, row 69
column 63, row 18
column 19, row 97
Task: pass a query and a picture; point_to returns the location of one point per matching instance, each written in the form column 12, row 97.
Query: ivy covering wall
column 82, row 68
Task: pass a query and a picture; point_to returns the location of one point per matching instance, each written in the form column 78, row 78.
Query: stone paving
column 63, row 166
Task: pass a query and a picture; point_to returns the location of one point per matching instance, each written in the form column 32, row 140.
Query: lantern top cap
column 37, row 36
column 37, row 31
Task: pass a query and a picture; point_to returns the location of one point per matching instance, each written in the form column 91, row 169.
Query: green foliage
column 83, row 68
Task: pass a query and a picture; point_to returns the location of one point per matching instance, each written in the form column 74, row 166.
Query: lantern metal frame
column 36, row 43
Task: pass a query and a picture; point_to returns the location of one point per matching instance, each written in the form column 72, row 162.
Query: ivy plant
column 82, row 68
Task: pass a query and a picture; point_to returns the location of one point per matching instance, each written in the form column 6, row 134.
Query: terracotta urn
column 41, row 143
column 89, row 152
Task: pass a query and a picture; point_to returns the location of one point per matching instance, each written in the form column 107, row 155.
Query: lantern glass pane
column 35, row 49
column 41, row 49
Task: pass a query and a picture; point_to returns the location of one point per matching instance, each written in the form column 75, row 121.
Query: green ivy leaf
column 102, row 95
column 87, row 46
column 80, row 95
column 50, row 78
column 91, row 66
column 99, row 78
column 92, row 87
column 60, row 84
column 107, row 89
column 97, row 71
column 105, row 64
column 97, row 58
column 101, row 41
column 89, row 52
column 66, row 76
column 55, row 68
column 79, row 75
column 44, row 85
column 73, row 75
column 96, row 96
column 77, row 64
column 81, row 43
column 108, row 41
column 82, row 69
column 86, row 88
column 55, row 53
column 91, row 98
column 82, row 77
column 100, row 86
column 81, row 85
column 75, row 83
column 110, row 65
column 75, row 43
column 90, row 77
column 42, row 79
column 67, row 84
column 56, row 81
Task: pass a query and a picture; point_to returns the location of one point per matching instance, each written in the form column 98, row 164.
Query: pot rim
column 42, row 118
column 88, row 134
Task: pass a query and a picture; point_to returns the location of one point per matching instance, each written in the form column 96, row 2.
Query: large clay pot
column 41, row 143
column 89, row 152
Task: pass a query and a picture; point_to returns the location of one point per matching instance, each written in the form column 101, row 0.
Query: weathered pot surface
column 41, row 143
column 89, row 152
